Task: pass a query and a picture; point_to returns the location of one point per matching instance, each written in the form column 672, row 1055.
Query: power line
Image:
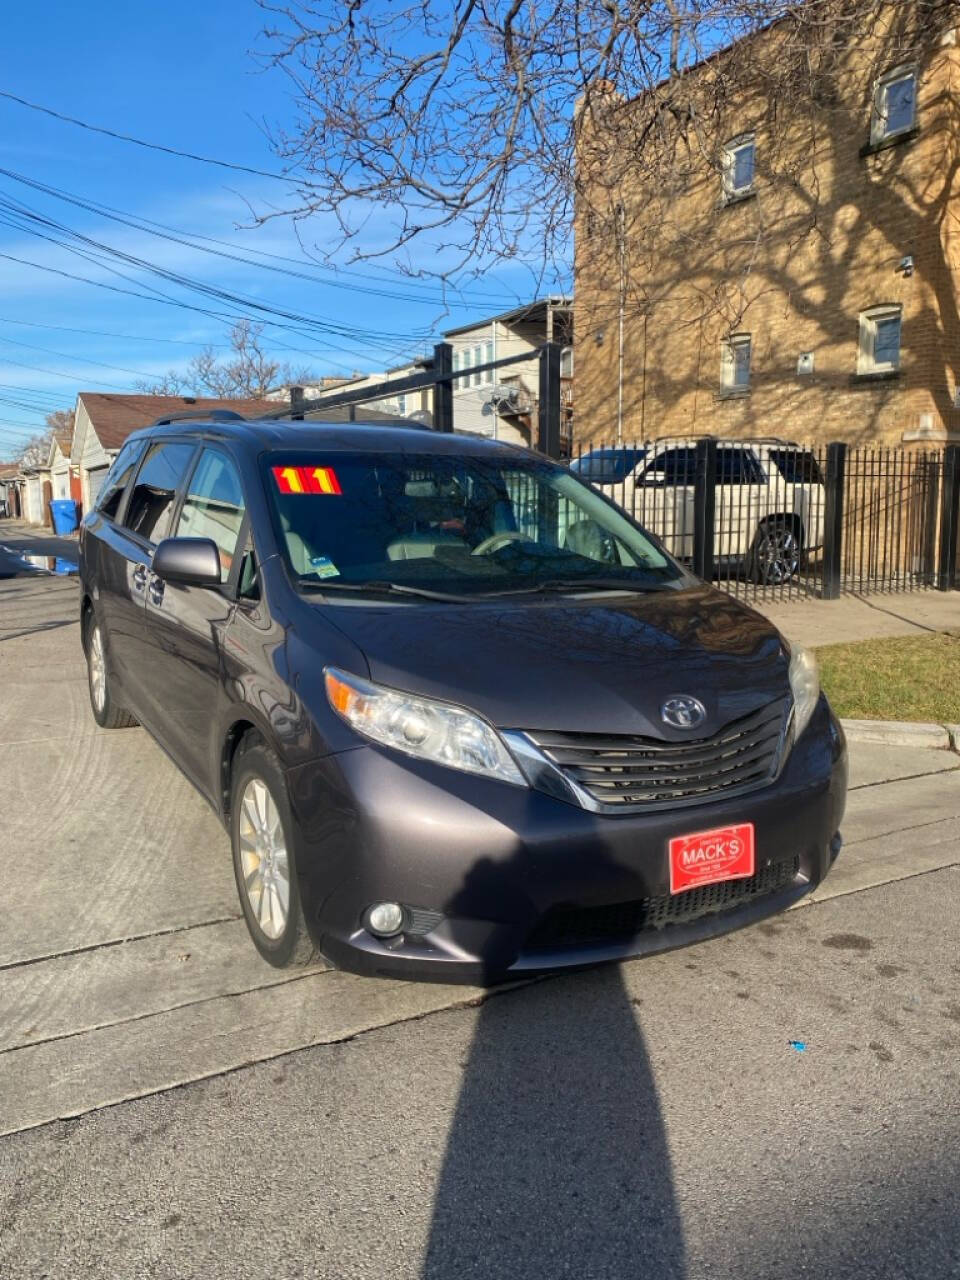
column 329, row 277
column 288, row 179
column 55, row 373
column 117, row 368
column 102, row 333
column 157, row 146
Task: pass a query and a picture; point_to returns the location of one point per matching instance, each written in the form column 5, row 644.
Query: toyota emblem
column 683, row 712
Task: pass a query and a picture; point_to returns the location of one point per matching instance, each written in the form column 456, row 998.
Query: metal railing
column 774, row 519
column 437, row 372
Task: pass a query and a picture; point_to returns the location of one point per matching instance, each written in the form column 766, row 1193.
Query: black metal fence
column 771, row 519
column 765, row 518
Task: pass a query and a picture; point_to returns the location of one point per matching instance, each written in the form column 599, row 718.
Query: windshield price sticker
column 311, row 480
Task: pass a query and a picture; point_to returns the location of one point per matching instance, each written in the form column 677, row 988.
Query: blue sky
column 180, row 74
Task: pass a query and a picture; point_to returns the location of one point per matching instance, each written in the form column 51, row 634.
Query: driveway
column 650, row 1119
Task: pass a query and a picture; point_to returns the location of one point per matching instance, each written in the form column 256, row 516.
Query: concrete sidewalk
column 821, row 622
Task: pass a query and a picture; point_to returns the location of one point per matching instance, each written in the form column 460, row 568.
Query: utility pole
column 621, row 254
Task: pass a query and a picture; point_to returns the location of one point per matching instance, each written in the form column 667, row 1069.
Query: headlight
column 421, row 727
column 805, row 684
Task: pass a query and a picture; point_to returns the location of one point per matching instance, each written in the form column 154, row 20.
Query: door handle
column 156, row 589
column 140, row 576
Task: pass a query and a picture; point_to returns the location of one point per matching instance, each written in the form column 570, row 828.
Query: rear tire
column 776, row 553
column 106, row 711
column 264, row 863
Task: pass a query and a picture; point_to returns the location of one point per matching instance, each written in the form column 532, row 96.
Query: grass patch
column 900, row 678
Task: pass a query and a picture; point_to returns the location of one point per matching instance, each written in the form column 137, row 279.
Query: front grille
column 571, row 927
column 621, row 771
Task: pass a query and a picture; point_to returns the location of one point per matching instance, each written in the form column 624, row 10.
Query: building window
column 566, row 362
column 465, row 364
column 402, row 405
column 894, row 104
column 455, row 365
column 879, row 340
column 477, row 360
column 735, row 363
column 739, row 162
column 488, row 359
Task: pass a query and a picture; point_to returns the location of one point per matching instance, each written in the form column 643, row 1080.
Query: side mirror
column 193, row 562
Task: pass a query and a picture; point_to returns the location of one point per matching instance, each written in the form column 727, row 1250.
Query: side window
column 672, row 467
column 214, row 506
column 118, row 477
column 738, row 466
column 797, row 466
column 155, row 490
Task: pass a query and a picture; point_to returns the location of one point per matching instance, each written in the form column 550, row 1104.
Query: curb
column 902, row 733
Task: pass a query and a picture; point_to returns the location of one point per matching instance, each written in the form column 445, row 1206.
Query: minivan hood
column 603, row 664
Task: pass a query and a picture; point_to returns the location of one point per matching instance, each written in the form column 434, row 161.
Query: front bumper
column 497, row 862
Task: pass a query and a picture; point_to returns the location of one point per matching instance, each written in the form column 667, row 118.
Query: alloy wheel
column 778, row 555
column 98, row 670
column 264, row 862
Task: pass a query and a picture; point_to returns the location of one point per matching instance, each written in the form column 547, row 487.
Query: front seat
column 300, row 554
column 586, row 538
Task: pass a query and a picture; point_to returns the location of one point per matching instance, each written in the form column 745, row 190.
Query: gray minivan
column 462, row 717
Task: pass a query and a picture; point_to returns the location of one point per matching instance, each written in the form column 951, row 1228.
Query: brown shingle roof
column 8, row 469
column 115, row 416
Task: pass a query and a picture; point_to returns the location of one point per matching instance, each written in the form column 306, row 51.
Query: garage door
column 95, row 481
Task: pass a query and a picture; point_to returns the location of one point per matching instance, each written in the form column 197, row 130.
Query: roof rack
column 742, row 440
column 199, row 415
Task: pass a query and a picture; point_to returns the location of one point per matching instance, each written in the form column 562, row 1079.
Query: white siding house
column 59, row 466
column 503, row 402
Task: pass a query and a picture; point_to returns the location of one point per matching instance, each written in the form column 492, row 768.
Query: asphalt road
column 648, row 1121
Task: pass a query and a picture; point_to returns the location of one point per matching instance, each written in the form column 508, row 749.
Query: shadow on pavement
column 557, row 1161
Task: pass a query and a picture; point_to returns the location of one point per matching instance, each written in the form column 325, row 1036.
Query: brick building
column 797, row 270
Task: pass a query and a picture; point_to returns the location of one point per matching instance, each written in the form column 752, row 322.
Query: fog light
column 384, row 919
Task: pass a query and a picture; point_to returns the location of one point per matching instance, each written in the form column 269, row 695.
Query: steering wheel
column 498, row 540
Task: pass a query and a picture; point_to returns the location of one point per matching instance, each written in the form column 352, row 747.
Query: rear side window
column 118, row 477
column 155, row 490
column 797, row 466
column 214, row 506
column 738, row 466
column 673, row 466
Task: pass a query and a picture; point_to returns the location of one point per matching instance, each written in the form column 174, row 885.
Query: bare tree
column 36, row 451
column 248, row 374
column 470, row 123
column 60, row 422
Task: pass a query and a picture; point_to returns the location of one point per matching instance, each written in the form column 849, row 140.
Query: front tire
column 106, row 711
column 264, row 865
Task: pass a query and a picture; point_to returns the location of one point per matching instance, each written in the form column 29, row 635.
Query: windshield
column 606, row 466
column 464, row 525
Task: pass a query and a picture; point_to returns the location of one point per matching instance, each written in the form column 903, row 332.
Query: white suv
column 769, row 502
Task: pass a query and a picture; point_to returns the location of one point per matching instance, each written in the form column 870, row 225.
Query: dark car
column 461, row 716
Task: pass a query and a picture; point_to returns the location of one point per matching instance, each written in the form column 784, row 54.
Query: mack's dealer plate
column 707, row 857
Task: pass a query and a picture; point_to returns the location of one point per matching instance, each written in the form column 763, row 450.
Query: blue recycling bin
column 64, row 513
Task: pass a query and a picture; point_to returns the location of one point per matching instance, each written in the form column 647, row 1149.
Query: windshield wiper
column 559, row 586
column 383, row 588
column 569, row 585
